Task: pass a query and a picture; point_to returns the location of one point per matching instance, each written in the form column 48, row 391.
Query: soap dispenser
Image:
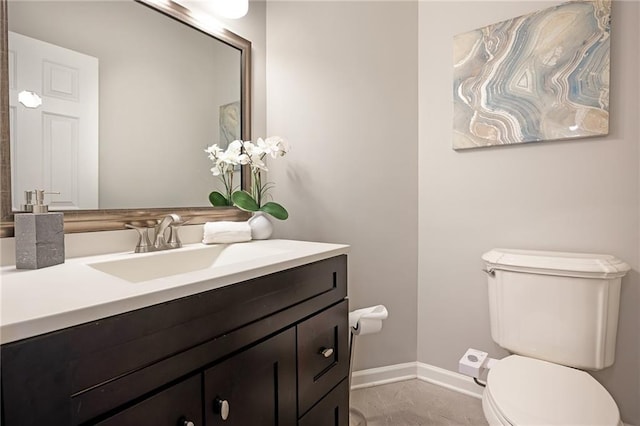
column 39, row 234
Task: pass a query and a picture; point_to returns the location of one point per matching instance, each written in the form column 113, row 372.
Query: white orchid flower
column 274, row 140
column 235, row 146
column 257, row 164
column 270, row 145
column 284, row 146
column 213, row 151
column 216, row 171
column 233, row 155
column 251, row 149
column 226, row 158
column 243, row 159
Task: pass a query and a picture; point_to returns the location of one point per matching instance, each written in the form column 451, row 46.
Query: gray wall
column 579, row 195
column 342, row 88
column 342, row 80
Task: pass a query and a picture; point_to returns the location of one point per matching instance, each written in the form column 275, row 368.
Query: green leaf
column 275, row 210
column 245, row 201
column 218, row 200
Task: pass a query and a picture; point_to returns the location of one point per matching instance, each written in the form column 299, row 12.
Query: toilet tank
column 553, row 306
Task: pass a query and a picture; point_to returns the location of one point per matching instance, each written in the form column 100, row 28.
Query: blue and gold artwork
column 541, row 76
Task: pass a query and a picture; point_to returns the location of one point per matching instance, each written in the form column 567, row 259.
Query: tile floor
column 415, row 403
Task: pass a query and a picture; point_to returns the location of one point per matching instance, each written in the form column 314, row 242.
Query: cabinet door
column 255, row 387
column 178, row 405
column 323, row 354
column 332, row 410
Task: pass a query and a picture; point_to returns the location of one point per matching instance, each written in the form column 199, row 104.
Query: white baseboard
column 415, row 370
column 383, row 375
column 449, row 379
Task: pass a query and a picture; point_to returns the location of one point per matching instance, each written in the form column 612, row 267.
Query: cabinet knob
column 184, row 422
column 221, row 406
column 326, row 352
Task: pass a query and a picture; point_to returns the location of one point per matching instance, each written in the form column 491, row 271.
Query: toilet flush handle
column 489, row 271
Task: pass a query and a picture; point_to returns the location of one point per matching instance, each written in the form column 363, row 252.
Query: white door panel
column 54, row 147
column 60, row 136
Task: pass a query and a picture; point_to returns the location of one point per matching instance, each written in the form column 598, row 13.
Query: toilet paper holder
column 367, row 320
column 361, row 322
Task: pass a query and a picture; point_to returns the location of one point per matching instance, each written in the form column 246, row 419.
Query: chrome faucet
column 170, row 222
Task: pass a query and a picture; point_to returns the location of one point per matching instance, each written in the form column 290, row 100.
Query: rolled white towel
column 226, row 232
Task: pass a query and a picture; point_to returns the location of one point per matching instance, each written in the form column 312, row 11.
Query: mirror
column 166, row 86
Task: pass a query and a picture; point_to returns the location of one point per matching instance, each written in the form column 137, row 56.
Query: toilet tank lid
column 556, row 263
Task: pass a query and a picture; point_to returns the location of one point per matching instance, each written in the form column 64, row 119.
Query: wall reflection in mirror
column 130, row 100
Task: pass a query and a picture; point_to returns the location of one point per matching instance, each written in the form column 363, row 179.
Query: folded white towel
column 226, row 232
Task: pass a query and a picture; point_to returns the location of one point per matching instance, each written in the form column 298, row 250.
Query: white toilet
column 558, row 312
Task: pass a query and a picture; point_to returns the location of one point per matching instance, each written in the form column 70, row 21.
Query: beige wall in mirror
column 162, row 88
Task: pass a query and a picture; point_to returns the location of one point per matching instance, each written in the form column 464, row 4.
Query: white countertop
column 34, row 302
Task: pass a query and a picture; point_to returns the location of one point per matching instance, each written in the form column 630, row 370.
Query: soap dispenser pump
column 28, row 202
column 39, row 234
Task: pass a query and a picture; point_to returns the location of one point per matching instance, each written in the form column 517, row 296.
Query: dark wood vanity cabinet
column 269, row 351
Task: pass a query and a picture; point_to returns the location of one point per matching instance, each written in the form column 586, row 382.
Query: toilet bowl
column 527, row 391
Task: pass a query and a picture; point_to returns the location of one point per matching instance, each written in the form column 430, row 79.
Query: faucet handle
column 174, row 238
column 144, row 245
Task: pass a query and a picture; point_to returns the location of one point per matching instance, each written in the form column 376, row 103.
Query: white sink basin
column 141, row 267
column 149, row 266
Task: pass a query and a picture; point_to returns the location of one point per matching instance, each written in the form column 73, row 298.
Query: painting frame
column 538, row 77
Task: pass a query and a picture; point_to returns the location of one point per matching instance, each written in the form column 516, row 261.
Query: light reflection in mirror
column 29, row 99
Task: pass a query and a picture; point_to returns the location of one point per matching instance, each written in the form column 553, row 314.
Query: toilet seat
column 527, row 391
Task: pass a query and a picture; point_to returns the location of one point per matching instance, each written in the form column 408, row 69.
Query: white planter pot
column 261, row 226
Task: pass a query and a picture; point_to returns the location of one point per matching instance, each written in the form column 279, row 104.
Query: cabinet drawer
column 166, row 408
column 332, row 410
column 323, row 354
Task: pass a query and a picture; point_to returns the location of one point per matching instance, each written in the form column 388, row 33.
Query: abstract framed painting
column 539, row 77
column 229, row 122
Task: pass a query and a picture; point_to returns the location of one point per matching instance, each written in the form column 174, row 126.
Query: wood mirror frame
column 115, row 219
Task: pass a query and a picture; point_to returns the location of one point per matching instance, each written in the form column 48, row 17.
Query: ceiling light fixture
column 232, row 9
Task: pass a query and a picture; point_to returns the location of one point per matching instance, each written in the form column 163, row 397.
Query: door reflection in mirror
column 54, row 135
